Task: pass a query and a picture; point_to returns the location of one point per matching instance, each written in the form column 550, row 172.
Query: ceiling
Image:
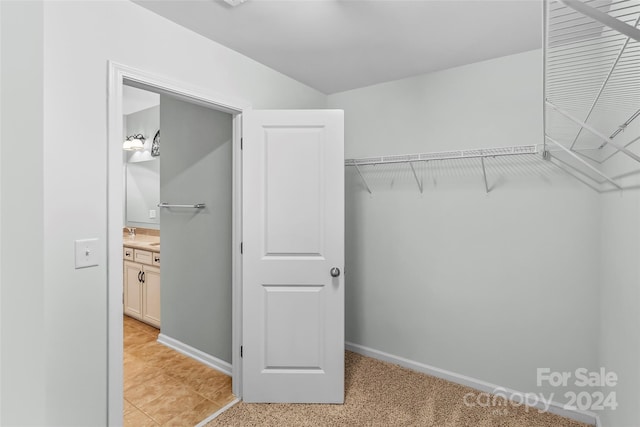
column 337, row 45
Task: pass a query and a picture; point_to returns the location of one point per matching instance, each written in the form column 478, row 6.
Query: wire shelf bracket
column 484, row 174
column 415, row 175
column 366, row 184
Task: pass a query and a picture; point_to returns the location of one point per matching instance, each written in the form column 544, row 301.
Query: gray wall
column 143, row 176
column 196, row 245
column 488, row 286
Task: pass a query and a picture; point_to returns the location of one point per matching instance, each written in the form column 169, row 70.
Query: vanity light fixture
column 134, row 143
column 234, row 3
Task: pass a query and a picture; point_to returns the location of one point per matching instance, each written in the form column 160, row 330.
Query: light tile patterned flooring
column 163, row 387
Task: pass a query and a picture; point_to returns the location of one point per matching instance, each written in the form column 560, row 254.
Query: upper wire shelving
column 591, row 83
column 591, row 94
column 410, row 159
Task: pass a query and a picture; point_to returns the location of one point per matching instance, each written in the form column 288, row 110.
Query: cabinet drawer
column 127, row 253
column 142, row 256
column 156, row 258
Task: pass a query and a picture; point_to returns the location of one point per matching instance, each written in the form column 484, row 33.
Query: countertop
column 141, row 241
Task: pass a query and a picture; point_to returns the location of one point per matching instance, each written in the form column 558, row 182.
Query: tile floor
column 163, row 387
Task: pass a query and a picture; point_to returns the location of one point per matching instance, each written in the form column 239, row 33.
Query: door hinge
column 241, row 248
column 241, row 143
column 241, row 351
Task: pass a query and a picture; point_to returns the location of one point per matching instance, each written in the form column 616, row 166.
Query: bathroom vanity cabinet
column 142, row 285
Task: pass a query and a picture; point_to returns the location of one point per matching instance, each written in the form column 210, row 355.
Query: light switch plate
column 86, row 253
column 152, row 213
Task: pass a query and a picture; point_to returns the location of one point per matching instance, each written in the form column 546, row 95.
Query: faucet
column 132, row 231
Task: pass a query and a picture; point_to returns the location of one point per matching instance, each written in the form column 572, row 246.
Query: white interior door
column 293, row 235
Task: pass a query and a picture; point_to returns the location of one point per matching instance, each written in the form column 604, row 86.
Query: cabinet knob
column 335, row 272
column 157, row 259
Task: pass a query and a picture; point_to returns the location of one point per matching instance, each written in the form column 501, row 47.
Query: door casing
column 118, row 75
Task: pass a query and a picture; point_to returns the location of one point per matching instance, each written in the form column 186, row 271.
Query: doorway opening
column 193, row 147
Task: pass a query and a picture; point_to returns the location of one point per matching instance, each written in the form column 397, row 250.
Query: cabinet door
column 151, row 296
column 132, row 289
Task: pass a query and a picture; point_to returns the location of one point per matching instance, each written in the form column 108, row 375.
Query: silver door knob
column 335, row 272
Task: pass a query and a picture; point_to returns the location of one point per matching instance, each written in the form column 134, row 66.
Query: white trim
column 598, row 422
column 217, row 413
column 115, row 207
column 144, row 80
column 194, row 353
column 116, row 77
column 554, row 408
column 236, row 257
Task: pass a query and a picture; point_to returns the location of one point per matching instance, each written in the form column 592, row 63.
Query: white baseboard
column 598, row 422
column 194, row 353
column 217, row 413
column 554, row 408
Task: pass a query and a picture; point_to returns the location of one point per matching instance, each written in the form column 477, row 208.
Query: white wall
column 21, row 215
column 55, row 191
column 488, row 286
column 620, row 287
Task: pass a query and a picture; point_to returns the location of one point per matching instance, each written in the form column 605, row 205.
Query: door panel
column 151, row 297
column 293, row 233
column 132, row 294
column 294, row 225
column 294, row 344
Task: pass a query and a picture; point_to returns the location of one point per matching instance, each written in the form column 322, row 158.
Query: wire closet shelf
column 591, row 77
column 410, row 159
column 591, row 85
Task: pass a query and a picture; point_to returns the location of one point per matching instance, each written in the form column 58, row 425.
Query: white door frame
column 117, row 75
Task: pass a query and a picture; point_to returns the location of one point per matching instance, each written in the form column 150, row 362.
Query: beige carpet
column 382, row 394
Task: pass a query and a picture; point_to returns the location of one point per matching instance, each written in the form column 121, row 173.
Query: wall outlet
column 86, row 253
column 152, row 213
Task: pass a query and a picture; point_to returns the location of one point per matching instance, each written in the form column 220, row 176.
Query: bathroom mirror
column 143, row 194
column 142, row 168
